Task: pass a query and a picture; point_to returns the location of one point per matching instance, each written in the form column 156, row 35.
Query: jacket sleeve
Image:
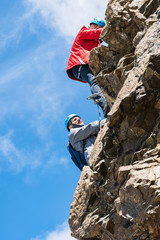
column 88, row 33
column 82, row 133
column 103, row 122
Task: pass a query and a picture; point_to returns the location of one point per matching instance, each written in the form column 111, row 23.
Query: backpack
column 77, row 157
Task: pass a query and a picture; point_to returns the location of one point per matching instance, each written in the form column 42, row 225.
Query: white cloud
column 32, row 87
column 61, row 233
column 35, row 73
column 14, row 33
column 13, row 159
column 54, row 159
column 16, row 160
column 68, row 16
column 12, row 30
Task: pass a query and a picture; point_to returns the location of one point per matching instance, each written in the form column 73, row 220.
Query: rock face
column 118, row 197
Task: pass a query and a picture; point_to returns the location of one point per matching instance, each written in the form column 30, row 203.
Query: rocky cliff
column 118, row 197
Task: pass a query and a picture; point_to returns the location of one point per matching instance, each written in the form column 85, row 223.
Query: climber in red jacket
column 78, row 68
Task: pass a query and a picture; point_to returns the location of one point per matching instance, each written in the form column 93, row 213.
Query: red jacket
column 85, row 40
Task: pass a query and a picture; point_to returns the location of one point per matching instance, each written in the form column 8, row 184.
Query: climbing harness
column 96, row 101
column 79, row 72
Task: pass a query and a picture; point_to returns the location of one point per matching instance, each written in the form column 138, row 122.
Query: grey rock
column 118, row 197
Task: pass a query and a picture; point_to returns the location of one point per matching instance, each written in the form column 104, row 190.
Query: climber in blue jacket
column 82, row 137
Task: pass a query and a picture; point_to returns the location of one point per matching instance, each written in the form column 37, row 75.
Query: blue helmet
column 98, row 21
column 69, row 118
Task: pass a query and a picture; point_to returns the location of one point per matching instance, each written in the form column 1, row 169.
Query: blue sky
column 37, row 177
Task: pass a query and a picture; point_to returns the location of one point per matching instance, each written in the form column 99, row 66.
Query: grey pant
column 84, row 73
